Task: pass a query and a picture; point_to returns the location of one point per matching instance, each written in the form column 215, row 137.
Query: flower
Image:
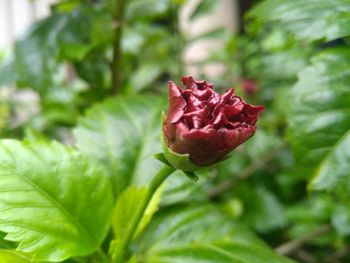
column 204, row 124
column 249, row 86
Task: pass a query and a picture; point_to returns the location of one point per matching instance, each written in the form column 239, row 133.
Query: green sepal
column 192, row 176
column 178, row 161
column 160, row 157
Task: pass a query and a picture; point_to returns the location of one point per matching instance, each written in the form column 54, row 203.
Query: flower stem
column 118, row 8
column 102, row 256
column 155, row 183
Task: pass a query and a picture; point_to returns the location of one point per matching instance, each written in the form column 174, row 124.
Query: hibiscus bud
column 204, row 126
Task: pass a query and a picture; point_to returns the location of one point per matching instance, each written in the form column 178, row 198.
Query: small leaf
column 145, row 75
column 204, row 7
column 48, row 196
column 160, row 157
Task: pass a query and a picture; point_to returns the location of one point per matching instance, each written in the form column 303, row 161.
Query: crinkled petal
column 193, row 103
column 177, row 103
column 252, row 113
column 189, row 82
column 227, row 96
column 196, row 119
column 231, row 110
column 235, row 137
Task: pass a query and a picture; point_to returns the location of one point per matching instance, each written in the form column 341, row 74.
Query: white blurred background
column 17, row 15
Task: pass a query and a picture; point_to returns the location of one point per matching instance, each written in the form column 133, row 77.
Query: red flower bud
column 249, row 86
column 204, row 124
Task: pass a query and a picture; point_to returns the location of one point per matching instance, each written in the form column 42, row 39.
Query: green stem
column 102, row 256
column 118, row 9
column 156, row 182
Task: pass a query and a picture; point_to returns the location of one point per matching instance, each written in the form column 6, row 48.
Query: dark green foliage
column 286, row 189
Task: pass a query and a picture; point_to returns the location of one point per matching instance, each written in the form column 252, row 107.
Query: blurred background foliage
column 289, row 184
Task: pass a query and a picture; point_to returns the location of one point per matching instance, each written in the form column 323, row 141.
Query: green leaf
column 82, row 31
column 334, row 171
column 128, row 203
column 145, row 75
column 319, row 120
column 147, row 9
column 262, row 209
column 12, row 256
column 124, row 134
column 94, row 70
column 58, row 37
column 217, row 33
column 7, row 72
column 191, row 234
column 35, row 53
column 151, row 209
column 54, row 202
column 204, row 7
column 273, row 64
column 4, row 243
column 311, row 20
column 341, row 219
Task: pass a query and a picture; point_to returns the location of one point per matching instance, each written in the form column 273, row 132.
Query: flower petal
column 235, row 137
column 177, row 103
column 205, row 146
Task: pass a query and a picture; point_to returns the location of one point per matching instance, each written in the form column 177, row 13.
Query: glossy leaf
column 127, row 204
column 191, row 234
column 4, row 244
column 319, row 121
column 58, row 37
column 53, row 201
column 13, row 256
column 151, row 209
column 126, row 208
column 124, row 133
column 311, row 20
